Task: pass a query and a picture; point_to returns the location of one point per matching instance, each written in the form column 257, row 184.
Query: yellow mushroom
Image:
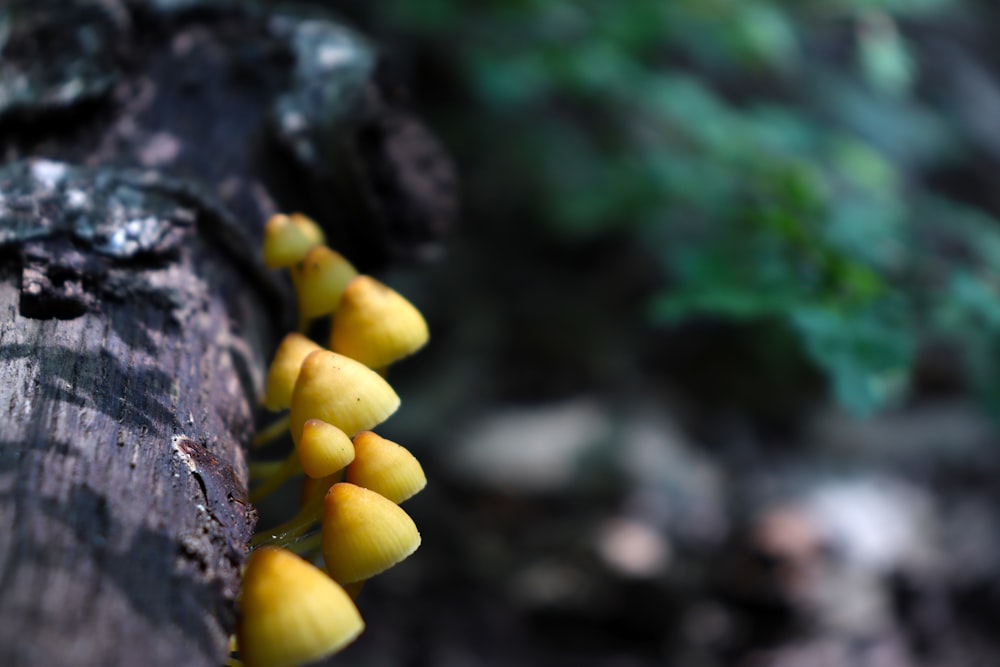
column 284, row 370
column 376, row 325
column 341, row 392
column 281, row 376
column 385, row 467
column 291, row 612
column 287, row 239
column 364, row 533
column 323, row 448
column 320, row 279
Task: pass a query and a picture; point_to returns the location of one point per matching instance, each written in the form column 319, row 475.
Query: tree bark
column 145, row 144
column 127, row 386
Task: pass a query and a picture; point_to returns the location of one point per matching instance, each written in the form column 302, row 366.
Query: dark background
column 713, row 370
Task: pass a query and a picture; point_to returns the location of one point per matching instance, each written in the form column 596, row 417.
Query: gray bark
column 122, row 482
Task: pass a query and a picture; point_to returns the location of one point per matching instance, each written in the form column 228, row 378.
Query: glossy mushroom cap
column 385, row 467
column 287, row 239
column 376, row 325
column 291, row 612
column 320, row 279
column 341, row 392
column 364, row 533
column 323, row 449
column 284, row 370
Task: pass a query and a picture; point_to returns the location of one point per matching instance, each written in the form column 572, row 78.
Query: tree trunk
column 122, row 483
column 145, row 144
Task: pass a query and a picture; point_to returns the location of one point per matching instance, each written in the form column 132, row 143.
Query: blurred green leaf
column 866, row 352
column 884, row 57
column 767, row 155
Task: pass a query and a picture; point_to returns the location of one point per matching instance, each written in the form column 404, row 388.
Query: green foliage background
column 772, row 159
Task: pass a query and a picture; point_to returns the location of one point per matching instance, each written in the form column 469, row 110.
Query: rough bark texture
column 144, row 145
column 122, row 485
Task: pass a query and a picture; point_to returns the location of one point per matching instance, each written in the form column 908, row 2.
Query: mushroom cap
column 291, row 612
column 320, row 279
column 376, row 325
column 287, row 239
column 284, row 370
column 340, row 391
column 323, row 448
column 385, row 467
column 364, row 533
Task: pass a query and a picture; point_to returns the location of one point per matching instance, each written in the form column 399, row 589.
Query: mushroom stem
column 307, row 546
column 262, row 469
column 288, row 469
column 271, row 432
column 354, row 588
column 289, row 532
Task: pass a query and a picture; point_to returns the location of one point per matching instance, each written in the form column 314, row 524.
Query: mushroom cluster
column 291, row 612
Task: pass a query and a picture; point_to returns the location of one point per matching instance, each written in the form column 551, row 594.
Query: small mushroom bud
column 364, row 533
column 341, row 392
column 287, row 239
column 376, row 325
column 291, row 612
column 320, row 279
column 284, row 370
column 385, row 467
column 323, row 449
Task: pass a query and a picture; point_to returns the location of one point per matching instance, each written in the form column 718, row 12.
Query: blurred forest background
column 715, row 360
